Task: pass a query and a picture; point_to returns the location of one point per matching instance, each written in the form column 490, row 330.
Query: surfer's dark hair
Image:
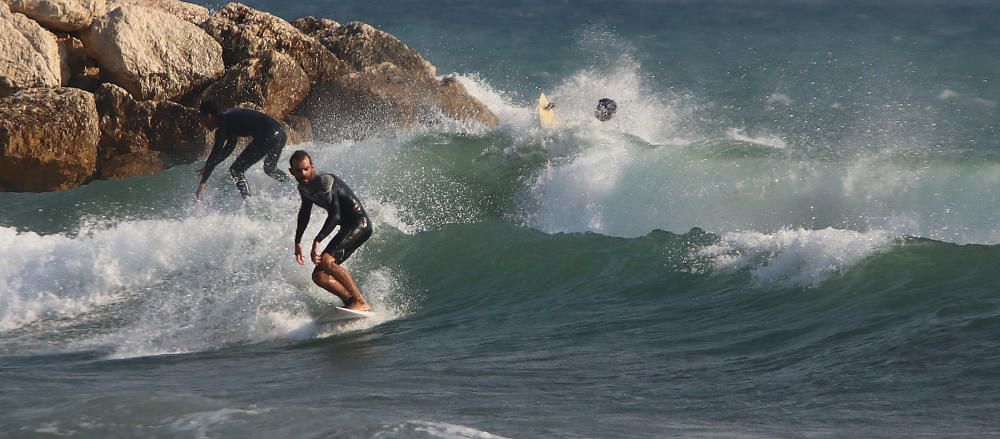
column 299, row 156
column 606, row 108
column 209, row 107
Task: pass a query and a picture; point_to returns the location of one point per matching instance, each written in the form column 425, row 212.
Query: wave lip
column 793, row 258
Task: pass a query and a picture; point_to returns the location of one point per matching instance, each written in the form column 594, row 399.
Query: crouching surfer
column 344, row 209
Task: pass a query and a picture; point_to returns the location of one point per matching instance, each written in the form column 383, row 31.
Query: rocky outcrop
column 362, row 46
column 152, row 54
column 141, row 137
column 149, row 63
column 390, row 86
column 48, row 139
column 299, row 130
column 61, row 15
column 318, row 28
column 456, row 103
column 190, row 12
column 246, row 33
column 273, row 83
column 132, row 164
column 29, row 55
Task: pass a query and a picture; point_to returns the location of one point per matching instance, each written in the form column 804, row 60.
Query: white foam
column 572, row 196
column 780, row 98
column 794, row 258
column 499, row 102
column 196, row 283
column 626, row 189
column 765, row 139
column 200, row 424
column 947, row 94
column 431, row 429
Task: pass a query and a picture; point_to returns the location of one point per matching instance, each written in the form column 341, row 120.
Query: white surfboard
column 341, row 314
column 546, row 112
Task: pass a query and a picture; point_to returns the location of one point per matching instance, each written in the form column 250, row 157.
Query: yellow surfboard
column 546, row 112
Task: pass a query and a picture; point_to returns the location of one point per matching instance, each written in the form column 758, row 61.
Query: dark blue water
column 790, row 229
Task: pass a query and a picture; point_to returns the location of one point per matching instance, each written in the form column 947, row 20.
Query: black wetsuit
column 343, row 208
column 268, row 140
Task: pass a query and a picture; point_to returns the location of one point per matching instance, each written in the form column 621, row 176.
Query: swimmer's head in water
column 606, row 109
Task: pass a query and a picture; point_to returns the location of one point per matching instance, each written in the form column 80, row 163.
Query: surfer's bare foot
column 358, row 305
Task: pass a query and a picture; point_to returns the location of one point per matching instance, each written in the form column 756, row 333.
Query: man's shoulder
column 244, row 113
column 321, row 181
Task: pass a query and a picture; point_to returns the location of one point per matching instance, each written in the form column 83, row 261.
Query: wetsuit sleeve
column 222, row 148
column 305, row 210
column 333, row 217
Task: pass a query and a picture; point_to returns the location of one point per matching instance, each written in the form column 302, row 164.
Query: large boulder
column 363, row 46
column 61, row 15
column 48, row 139
column 153, row 54
column 247, row 33
column 390, row 86
column 142, row 137
column 274, row 83
column 196, row 14
column 123, row 166
column 29, row 55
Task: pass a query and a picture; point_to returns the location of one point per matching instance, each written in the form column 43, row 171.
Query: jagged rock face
column 134, row 132
column 61, row 15
column 299, row 130
column 29, row 55
column 362, row 46
column 390, row 86
column 246, row 33
column 190, row 12
column 318, row 28
column 457, row 104
column 273, row 83
column 152, row 54
column 130, row 165
column 149, row 61
column 48, row 139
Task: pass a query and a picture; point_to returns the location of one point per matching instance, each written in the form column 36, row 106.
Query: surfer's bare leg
column 337, row 277
column 327, row 282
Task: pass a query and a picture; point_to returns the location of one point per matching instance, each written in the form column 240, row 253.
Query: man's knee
column 318, row 275
column 328, row 263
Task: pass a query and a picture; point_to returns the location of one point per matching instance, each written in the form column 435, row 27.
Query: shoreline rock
column 131, row 74
column 29, row 54
column 61, row 15
column 152, row 54
column 48, row 139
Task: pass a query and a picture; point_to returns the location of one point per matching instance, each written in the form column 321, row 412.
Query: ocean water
column 790, row 229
